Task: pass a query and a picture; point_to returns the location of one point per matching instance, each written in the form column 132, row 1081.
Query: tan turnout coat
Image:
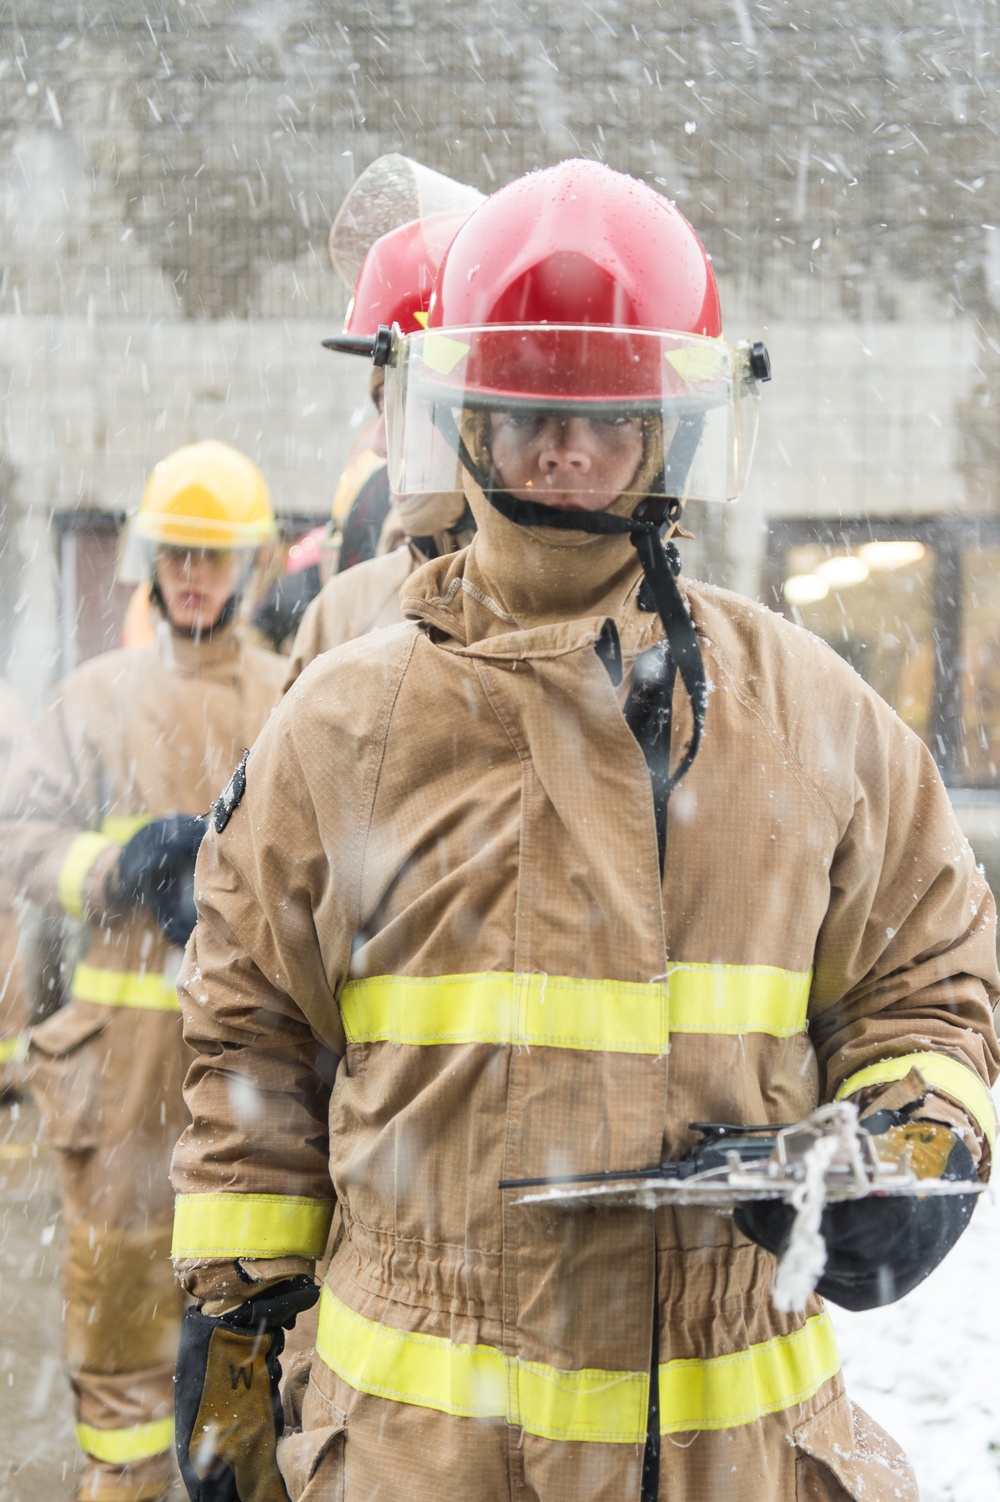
column 444, row 875
column 131, row 736
column 351, row 604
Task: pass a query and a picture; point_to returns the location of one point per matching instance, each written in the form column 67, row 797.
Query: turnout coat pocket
column 66, row 1063
column 844, row 1456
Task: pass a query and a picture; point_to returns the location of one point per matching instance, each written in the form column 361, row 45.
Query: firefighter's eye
column 618, row 422
column 523, row 423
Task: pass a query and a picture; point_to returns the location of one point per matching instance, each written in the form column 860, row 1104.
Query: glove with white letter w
column 227, row 1407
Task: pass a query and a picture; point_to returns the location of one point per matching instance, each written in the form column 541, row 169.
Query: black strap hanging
column 648, row 713
column 644, row 529
column 650, row 1484
column 682, row 639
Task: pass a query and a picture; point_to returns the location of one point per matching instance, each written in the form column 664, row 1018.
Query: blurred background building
column 169, row 174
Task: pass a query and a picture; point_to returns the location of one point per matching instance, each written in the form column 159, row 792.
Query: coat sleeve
column 905, row 974
column 258, row 997
column 50, row 815
column 309, row 639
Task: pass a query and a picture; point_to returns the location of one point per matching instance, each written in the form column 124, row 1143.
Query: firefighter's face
column 196, row 584
column 565, row 461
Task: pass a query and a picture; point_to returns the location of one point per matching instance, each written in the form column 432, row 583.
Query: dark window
column 91, row 601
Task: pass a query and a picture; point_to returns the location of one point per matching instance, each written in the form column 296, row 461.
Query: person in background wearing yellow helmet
column 102, row 818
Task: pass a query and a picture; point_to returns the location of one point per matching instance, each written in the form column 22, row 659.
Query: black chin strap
column 645, row 531
column 645, row 528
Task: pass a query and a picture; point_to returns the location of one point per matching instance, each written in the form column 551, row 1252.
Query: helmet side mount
column 760, row 361
column 377, row 346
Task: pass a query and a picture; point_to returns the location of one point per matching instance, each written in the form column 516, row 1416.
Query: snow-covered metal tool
column 733, row 1164
column 825, row 1160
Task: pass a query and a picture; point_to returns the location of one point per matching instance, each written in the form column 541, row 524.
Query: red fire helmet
column 573, row 246
column 397, row 277
column 577, row 290
column 578, row 243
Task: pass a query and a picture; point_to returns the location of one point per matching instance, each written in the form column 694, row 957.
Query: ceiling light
column 891, row 554
column 843, row 569
column 805, row 589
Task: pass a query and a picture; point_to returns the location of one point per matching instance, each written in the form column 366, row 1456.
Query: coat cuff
column 221, row 1286
column 945, row 1106
column 81, row 882
column 250, row 1227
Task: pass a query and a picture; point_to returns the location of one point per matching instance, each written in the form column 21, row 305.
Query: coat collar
column 468, row 613
column 212, row 655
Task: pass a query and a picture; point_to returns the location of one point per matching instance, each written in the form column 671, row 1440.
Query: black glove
column 226, row 1401
column 156, row 869
column 880, row 1247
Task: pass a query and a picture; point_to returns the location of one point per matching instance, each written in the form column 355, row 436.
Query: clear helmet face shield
column 393, row 191
column 137, row 551
column 682, row 407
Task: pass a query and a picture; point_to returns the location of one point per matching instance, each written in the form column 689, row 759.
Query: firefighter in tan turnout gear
column 577, row 856
column 102, row 821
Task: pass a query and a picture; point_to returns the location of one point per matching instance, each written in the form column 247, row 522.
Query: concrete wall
column 168, row 177
column 90, row 405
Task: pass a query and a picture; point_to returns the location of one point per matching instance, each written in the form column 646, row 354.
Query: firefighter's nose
column 565, row 447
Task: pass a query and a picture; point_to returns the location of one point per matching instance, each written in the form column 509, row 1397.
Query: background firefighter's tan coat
column 463, row 797
column 130, row 736
column 351, row 604
column 366, row 597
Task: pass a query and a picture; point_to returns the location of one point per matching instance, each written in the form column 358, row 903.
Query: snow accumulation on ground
column 928, row 1368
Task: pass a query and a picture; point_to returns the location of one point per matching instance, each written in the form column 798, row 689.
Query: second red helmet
column 397, row 277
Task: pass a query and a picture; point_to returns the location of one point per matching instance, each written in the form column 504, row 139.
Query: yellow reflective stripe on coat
column 250, row 1225
column 738, row 999
column 429, row 1371
column 14, row 1050
column 940, row 1069
column 121, row 827
column 124, row 1446
column 117, row 829
column 480, row 1381
column 81, row 855
column 558, row 1012
column 149, row 991
column 727, row 1391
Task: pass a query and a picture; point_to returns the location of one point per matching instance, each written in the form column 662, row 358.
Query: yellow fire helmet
column 206, row 495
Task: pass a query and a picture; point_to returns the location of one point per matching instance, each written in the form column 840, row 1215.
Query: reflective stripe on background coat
column 130, row 736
